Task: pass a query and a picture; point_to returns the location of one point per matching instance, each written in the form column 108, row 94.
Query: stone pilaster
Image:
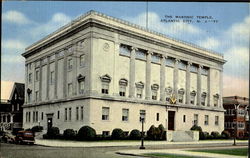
column 221, row 90
column 208, row 87
column 199, row 85
column 56, row 75
column 162, row 79
column 74, row 71
column 65, row 84
column 40, row 80
column 148, row 76
column 48, row 78
column 26, row 83
column 176, row 76
column 132, row 73
column 188, row 83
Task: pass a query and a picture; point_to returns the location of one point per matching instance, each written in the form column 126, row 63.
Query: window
column 17, row 107
column 29, row 66
column 139, row 88
column 203, row 98
column 122, row 91
column 124, row 50
column 106, row 79
column 192, row 97
column 140, row 54
column 82, row 60
column 206, row 120
column 193, row 68
column 69, row 114
column 81, row 87
column 29, row 97
column 216, row 99
column 105, row 113
column 241, row 125
column 168, row 94
column 155, row 58
column 195, row 119
column 154, row 95
column 52, row 57
column 180, row 95
column 27, row 116
column 182, row 65
column 81, row 112
column 65, row 114
column 157, row 116
column 37, row 95
column 125, row 114
column 241, row 112
column 52, row 77
column 30, row 77
column 142, row 115
column 77, row 113
column 37, row 75
column 58, row 114
column 105, row 133
column 184, row 118
column 216, row 120
column 154, row 89
column 204, row 71
column 70, row 89
column 34, row 116
column 169, row 62
column 70, row 64
column 42, row 116
column 123, row 84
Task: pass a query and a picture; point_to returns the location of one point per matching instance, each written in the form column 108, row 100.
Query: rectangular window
column 82, row 60
column 37, row 95
column 139, row 92
column 42, row 116
column 155, row 58
column 125, row 114
column 184, row 118
column 70, row 64
column 30, row 77
column 180, row 98
column 37, row 75
column 157, row 116
column 29, row 98
column 81, row 112
column 142, row 115
column 81, row 87
column 193, row 68
column 77, row 113
column 105, row 133
column 70, row 89
column 58, row 114
column 192, row 98
column 216, row 99
column 203, row 101
column 140, row 54
column 69, row 114
column 154, row 95
column 105, row 113
column 124, row 50
column 206, row 120
column 65, row 114
column 34, row 116
column 105, row 88
column 216, row 120
column 169, row 62
column 29, row 116
column 52, row 77
column 122, row 91
column 195, row 119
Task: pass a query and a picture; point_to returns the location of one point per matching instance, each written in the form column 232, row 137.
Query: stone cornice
column 91, row 16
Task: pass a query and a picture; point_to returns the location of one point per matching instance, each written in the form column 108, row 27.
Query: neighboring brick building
column 11, row 111
column 236, row 110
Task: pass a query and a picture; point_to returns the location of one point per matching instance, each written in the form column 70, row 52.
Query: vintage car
column 25, row 137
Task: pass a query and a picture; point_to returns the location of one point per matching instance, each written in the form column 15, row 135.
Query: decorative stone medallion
column 106, row 47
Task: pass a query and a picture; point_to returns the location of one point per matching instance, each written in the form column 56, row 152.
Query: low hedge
column 135, row 134
column 117, row 134
column 86, row 133
column 37, row 128
column 69, row 134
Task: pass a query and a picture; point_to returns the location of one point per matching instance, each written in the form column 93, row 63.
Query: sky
column 25, row 22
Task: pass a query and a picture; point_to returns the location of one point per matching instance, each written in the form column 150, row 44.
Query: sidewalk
column 65, row 143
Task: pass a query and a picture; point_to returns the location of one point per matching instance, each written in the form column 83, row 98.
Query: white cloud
column 172, row 29
column 209, row 43
column 57, row 20
column 16, row 17
column 13, row 45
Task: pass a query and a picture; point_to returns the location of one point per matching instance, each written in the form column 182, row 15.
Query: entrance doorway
column 50, row 122
column 171, row 115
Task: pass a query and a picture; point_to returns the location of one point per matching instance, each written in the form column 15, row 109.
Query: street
column 36, row 151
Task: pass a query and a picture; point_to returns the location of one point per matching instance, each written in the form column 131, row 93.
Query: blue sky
column 23, row 23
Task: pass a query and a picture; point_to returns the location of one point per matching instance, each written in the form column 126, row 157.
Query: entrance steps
column 182, row 136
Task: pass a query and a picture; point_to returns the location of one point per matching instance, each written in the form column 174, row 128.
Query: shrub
column 45, row 136
column 225, row 134
column 86, row 133
column 203, row 135
column 117, row 134
column 162, row 135
column 135, row 134
column 196, row 128
column 69, row 134
column 37, row 128
column 216, row 135
column 151, row 133
column 53, row 132
column 210, row 137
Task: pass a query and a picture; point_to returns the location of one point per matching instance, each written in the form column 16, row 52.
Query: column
column 65, row 84
column 132, row 73
column 11, row 118
column 74, row 71
column 26, row 83
column 208, row 87
column 199, row 86
column 176, row 77
column 188, row 83
column 162, row 79
column 48, row 79
column 148, row 76
column 40, row 80
column 56, row 75
column 221, row 90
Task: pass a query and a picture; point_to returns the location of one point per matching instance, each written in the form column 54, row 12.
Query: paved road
column 35, row 151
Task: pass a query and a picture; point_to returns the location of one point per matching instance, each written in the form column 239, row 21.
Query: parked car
column 8, row 138
column 25, row 137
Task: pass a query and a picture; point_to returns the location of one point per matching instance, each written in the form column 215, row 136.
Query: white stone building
column 107, row 73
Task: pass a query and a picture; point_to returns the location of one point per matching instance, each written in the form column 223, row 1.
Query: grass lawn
column 236, row 151
column 160, row 155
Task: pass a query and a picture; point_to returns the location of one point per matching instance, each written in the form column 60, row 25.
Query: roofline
column 76, row 21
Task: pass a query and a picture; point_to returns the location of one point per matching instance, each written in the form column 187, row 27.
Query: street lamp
column 142, row 133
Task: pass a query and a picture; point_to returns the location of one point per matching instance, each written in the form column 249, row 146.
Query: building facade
column 11, row 111
column 236, row 115
column 108, row 73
